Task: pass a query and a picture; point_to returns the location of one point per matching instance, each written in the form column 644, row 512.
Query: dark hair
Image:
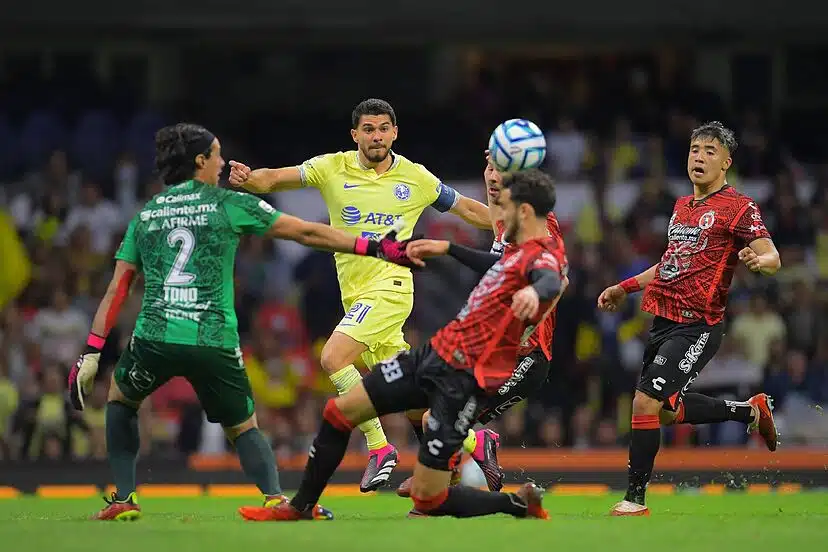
column 176, row 147
column 534, row 187
column 714, row 130
column 372, row 106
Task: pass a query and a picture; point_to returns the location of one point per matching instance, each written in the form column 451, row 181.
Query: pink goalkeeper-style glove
column 386, row 248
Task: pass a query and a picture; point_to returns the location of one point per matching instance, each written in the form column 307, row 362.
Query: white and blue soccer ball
column 517, row 145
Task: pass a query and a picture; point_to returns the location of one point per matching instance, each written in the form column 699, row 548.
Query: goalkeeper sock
column 465, row 502
column 326, row 453
column 696, row 408
column 346, row 379
column 257, row 461
column 122, row 444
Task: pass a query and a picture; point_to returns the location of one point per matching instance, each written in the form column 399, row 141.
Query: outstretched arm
column 479, row 261
column 473, row 212
column 328, row 238
column 264, row 180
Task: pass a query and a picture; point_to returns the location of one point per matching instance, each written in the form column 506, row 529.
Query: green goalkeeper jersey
column 184, row 240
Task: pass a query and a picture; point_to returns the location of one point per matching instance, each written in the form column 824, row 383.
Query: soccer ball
column 517, row 145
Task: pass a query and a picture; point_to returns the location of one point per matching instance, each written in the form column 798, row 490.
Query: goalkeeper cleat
column 119, row 510
column 764, row 424
column 532, row 496
column 381, row 463
column 485, row 455
column 284, row 511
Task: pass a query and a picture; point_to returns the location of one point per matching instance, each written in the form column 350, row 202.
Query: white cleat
column 627, row 508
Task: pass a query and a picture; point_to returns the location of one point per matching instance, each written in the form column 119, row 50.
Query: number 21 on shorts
column 356, row 314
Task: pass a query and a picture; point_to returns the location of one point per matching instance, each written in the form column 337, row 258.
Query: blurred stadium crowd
column 70, row 183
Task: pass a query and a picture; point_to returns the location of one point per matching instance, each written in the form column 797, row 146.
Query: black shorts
column 528, row 377
column 674, row 357
column 420, row 379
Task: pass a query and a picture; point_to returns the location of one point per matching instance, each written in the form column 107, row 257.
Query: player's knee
column 235, row 431
column 355, row 406
column 644, row 405
column 330, row 359
column 339, row 351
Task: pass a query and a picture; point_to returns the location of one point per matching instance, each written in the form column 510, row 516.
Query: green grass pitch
column 678, row 522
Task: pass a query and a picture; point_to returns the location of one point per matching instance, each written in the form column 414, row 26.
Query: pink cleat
column 485, row 454
column 381, row 463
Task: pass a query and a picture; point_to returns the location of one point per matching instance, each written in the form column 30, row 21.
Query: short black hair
column 714, row 130
column 176, row 147
column 372, row 106
column 534, row 187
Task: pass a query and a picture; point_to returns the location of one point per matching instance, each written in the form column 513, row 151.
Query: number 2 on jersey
column 185, row 241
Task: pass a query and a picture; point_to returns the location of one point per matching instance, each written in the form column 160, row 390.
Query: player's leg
column 142, row 368
column 223, row 389
column 390, row 387
column 360, row 328
column 454, row 405
column 756, row 413
column 376, row 322
column 531, row 372
column 671, row 363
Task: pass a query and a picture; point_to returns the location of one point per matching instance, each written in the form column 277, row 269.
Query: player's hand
column 82, row 376
column 417, row 250
column 525, row 303
column 751, row 259
column 611, row 298
column 391, row 250
column 239, row 173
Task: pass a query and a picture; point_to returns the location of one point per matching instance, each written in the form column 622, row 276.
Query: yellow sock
column 346, row 379
column 470, row 442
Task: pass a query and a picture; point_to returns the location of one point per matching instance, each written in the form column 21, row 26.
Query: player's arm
column 612, row 297
column 328, row 238
column 473, row 212
column 761, row 256
column 83, row 374
column 447, row 199
column 546, row 283
column 265, row 180
column 479, row 261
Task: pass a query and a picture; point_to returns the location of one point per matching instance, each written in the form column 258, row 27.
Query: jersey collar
column 696, row 202
column 395, row 160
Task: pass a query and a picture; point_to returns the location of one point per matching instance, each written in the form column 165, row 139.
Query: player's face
column 511, row 214
column 494, row 181
column 707, row 161
column 210, row 168
column 374, row 136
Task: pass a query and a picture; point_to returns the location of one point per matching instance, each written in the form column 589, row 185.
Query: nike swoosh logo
column 349, row 186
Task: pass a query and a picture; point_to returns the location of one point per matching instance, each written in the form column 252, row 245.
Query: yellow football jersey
column 364, row 203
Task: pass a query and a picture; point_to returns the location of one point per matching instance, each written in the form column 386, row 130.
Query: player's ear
column 200, row 160
column 728, row 162
column 354, row 135
column 396, row 131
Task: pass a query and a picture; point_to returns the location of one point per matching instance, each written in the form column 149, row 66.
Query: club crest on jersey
column 402, row 192
column 707, row 220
